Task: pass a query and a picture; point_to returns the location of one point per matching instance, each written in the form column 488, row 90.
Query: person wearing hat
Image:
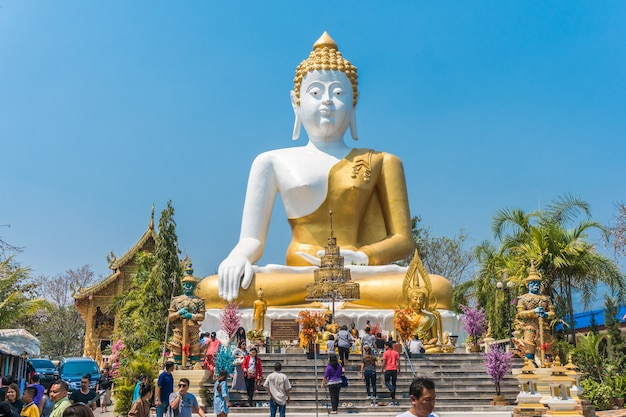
column 185, row 313
column 534, row 312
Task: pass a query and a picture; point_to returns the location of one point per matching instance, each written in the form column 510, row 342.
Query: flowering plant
column 116, row 355
column 310, row 322
column 474, row 321
column 231, row 318
column 498, row 364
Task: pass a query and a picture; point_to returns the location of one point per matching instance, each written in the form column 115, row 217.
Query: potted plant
column 498, row 364
column 474, row 321
column 310, row 323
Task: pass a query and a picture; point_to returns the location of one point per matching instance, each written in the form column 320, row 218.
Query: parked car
column 71, row 370
column 46, row 370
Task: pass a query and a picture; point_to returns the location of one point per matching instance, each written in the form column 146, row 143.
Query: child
column 221, row 401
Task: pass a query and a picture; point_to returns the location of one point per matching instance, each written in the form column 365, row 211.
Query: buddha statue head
column 417, row 299
column 325, row 78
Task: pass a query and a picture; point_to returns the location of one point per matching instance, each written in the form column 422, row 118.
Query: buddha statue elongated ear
column 297, row 125
column 352, row 125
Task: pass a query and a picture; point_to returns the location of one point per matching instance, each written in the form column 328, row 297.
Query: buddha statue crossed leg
column 365, row 189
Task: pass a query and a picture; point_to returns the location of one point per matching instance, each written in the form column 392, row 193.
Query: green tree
column 442, row 255
column 560, row 246
column 59, row 328
column 615, row 348
column 17, row 300
column 617, row 231
column 144, row 306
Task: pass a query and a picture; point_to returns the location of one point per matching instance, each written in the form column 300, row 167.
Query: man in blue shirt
column 184, row 401
column 165, row 386
column 422, row 395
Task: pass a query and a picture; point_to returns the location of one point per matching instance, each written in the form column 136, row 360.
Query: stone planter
column 499, row 400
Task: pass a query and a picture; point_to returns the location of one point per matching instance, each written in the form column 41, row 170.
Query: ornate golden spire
column 325, row 41
column 151, row 224
column 533, row 275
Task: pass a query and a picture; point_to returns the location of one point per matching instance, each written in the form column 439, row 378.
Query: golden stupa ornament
column 332, row 281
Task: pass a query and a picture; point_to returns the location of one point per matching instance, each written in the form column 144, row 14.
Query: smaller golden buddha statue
column 259, row 310
column 417, row 318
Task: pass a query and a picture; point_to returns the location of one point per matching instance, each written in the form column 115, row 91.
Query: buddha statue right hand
column 233, row 270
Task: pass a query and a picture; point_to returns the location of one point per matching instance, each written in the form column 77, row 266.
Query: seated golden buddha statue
column 417, row 318
column 365, row 189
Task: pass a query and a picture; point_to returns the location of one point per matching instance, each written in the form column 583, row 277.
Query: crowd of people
column 378, row 355
column 35, row 400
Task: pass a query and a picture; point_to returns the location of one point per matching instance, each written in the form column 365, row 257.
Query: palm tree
column 14, row 302
column 563, row 255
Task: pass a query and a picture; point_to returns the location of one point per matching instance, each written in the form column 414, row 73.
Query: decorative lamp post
column 507, row 286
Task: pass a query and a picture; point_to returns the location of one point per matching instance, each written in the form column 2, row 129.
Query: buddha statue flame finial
column 326, row 57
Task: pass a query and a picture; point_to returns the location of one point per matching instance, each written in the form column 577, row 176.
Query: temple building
column 93, row 302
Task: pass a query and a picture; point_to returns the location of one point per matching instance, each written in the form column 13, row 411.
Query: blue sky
column 107, row 107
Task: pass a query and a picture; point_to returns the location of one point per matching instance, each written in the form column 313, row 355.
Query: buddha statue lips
column 365, row 189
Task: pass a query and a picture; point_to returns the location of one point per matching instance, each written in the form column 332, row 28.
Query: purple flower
column 498, row 364
column 474, row 322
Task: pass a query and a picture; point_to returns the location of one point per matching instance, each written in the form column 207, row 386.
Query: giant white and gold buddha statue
column 365, row 189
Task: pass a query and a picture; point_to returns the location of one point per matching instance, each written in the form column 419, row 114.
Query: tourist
column 213, row 346
column 84, row 395
column 279, row 389
column 13, row 397
column 240, row 353
column 368, row 373
column 105, row 385
column 391, row 366
column 141, row 406
column 332, row 378
column 142, row 379
column 422, row 396
column 380, row 342
column 252, row 373
column 184, row 401
column 6, row 410
column 330, row 344
column 78, row 410
column 344, row 342
column 58, row 394
column 165, row 386
column 35, row 381
column 368, row 340
column 221, row 400
column 6, row 381
column 416, row 347
column 29, row 409
column 240, row 336
column 46, row 405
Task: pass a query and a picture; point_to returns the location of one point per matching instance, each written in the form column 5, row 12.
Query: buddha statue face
column 417, row 300
column 326, row 108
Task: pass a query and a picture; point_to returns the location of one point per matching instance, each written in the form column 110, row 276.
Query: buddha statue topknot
column 364, row 188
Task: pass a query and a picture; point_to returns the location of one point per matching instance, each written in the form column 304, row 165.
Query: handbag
column 344, row 381
column 238, row 361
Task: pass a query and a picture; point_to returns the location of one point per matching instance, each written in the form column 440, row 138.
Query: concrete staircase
column 463, row 386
